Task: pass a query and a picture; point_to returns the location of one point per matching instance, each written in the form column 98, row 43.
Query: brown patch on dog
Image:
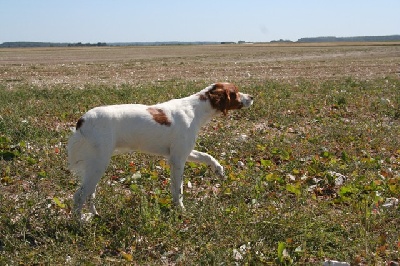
column 224, row 97
column 159, row 116
column 79, row 123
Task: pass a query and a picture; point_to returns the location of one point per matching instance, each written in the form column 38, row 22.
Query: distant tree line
column 158, row 43
column 87, row 44
column 281, row 40
column 32, row 44
column 48, row 44
column 80, row 44
column 390, row 38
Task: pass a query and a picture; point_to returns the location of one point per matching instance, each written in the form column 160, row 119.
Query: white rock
column 335, row 263
column 339, row 178
column 243, row 137
column 389, row 202
column 291, row 177
column 237, row 255
column 240, row 164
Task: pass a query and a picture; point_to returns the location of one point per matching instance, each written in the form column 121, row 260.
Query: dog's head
column 226, row 96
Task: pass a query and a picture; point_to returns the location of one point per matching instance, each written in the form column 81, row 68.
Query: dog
column 168, row 129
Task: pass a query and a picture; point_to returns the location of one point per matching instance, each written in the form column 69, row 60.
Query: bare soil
column 75, row 67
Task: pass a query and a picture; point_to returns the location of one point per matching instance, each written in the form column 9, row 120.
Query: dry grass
column 320, row 111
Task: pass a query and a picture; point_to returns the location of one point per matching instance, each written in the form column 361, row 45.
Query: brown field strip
column 73, row 67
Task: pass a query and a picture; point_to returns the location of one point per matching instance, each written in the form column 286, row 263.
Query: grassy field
column 312, row 169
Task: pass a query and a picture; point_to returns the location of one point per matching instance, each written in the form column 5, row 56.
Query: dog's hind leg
column 78, row 202
column 95, row 168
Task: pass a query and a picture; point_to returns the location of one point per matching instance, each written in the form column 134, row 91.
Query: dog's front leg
column 202, row 157
column 177, row 166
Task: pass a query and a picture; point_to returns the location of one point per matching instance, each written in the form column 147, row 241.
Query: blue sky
column 193, row 20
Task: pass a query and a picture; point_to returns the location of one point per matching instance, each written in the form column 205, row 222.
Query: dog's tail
column 79, row 150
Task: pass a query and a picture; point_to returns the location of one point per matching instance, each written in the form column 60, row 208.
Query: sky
column 92, row 21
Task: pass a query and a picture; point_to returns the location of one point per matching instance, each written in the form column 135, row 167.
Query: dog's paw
column 179, row 204
column 86, row 217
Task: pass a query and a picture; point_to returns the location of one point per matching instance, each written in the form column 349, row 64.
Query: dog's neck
column 203, row 112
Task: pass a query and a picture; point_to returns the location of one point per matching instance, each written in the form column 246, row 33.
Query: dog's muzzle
column 247, row 100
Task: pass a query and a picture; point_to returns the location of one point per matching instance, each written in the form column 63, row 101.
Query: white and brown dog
column 168, row 129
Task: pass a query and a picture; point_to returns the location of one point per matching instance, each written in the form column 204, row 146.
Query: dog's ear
column 219, row 97
column 227, row 100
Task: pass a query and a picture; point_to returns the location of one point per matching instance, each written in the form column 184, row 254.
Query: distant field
column 313, row 168
column 72, row 67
